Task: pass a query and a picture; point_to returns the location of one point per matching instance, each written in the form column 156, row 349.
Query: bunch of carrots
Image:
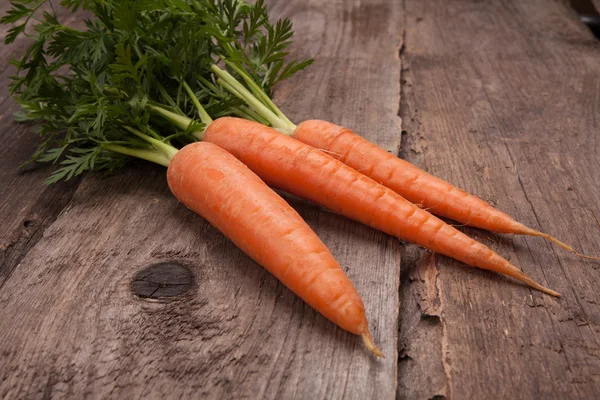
column 186, row 84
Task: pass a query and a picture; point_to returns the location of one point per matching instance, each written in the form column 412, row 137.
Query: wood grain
column 503, row 99
column 28, row 205
column 72, row 327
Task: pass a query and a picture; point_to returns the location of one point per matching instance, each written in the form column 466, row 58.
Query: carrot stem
column 204, row 117
column 259, row 93
column 242, row 114
column 168, row 150
column 244, row 94
column 230, row 88
column 179, row 121
column 148, row 155
column 248, row 113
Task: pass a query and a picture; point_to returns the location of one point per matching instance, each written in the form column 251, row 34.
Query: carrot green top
column 90, row 89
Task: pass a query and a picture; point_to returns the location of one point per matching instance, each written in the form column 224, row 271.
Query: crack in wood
column 482, row 111
column 26, row 240
column 422, row 372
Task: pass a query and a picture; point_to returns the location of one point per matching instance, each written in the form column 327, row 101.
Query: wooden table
column 500, row 98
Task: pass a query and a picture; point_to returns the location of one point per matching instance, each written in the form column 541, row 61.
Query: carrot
column 94, row 120
column 232, row 198
column 300, row 169
column 416, row 185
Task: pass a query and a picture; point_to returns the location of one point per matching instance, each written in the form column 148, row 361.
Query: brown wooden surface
column 72, row 326
column 503, row 99
column 500, row 98
column 32, row 205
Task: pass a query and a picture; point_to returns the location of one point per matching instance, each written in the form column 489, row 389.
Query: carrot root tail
column 563, row 245
column 586, row 256
column 368, row 340
column 526, row 279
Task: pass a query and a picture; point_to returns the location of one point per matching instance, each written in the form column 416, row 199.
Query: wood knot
column 166, row 279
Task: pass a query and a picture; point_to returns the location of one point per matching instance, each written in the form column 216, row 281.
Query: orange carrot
column 232, row 198
column 407, row 180
column 300, row 169
column 414, row 184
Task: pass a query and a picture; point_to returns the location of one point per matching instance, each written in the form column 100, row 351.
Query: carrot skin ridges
column 238, row 203
column 300, row 169
column 417, row 186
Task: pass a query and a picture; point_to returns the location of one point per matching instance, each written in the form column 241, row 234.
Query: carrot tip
column 526, row 279
column 569, row 248
column 549, row 291
column 368, row 340
column 557, row 242
column 586, row 256
column 552, row 239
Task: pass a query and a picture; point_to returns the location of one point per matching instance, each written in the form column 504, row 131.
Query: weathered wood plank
column 346, row 86
column 502, row 99
column 28, row 206
column 72, row 326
